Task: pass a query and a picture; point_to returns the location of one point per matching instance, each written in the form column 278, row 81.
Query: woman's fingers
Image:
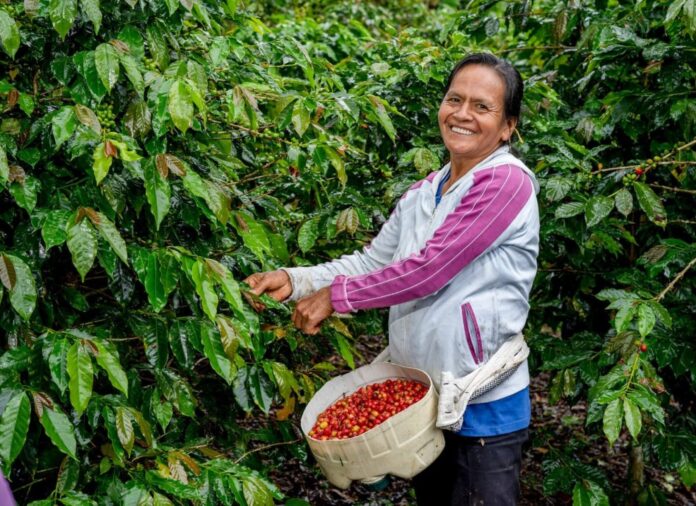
column 311, row 311
column 276, row 283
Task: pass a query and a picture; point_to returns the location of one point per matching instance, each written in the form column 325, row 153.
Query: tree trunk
column 636, row 474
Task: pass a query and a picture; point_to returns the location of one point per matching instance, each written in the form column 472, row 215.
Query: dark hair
column 514, row 86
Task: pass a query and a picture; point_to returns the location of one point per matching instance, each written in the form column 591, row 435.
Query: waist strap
column 455, row 393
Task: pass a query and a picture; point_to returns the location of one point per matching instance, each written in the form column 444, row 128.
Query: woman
column 455, row 262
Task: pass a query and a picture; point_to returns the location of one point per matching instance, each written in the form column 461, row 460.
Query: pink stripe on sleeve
column 484, row 214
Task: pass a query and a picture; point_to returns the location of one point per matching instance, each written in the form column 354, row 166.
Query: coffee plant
column 154, row 153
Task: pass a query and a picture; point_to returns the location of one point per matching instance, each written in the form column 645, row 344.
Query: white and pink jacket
column 457, row 276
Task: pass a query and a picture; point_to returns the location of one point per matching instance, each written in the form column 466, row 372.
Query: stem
column 675, row 280
column 636, row 473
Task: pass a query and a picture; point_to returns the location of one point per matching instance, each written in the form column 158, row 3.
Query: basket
column 403, row 445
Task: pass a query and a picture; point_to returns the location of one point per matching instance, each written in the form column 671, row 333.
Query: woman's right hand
column 276, row 284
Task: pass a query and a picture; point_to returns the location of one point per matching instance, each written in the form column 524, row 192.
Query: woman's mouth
column 461, row 131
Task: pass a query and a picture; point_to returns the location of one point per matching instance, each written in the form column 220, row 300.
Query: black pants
column 473, row 471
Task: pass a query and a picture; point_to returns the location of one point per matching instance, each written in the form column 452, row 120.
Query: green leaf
column 256, row 493
column 157, row 45
column 107, row 359
column 63, row 14
column 23, row 293
column 124, row 428
column 337, row 163
column 180, row 105
column 132, row 72
column 82, row 243
column 661, row 312
column 205, row 288
column 14, row 426
column 687, row 473
column 212, row 348
column 58, row 363
column 557, row 188
column 307, row 236
column 624, row 201
column 632, row 415
column 613, row 415
column 196, row 95
column 143, row 424
column 106, row 59
column 4, row 167
column 253, row 234
column 588, row 493
column 261, row 389
column 92, row 12
column 153, row 283
column 348, row 221
column 138, row 119
column 283, row 378
column 81, row 373
column 87, row 67
column 180, row 344
column 624, row 316
column 157, row 191
column 63, row 125
column 596, row 209
column 27, row 104
column 230, row 287
column 101, row 162
column 650, row 203
column 26, row 194
column 233, row 333
column 134, row 40
column 109, row 232
column 646, row 319
column 59, row 429
column 9, row 34
column 300, row 117
column 569, row 209
column 86, row 116
column 378, row 106
column 425, row 160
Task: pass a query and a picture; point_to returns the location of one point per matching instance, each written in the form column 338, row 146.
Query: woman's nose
column 463, row 112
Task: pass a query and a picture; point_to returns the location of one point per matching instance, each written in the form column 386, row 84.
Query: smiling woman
column 455, row 263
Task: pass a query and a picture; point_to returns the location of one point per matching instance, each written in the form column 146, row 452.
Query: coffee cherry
column 366, row 408
column 639, row 171
column 643, row 347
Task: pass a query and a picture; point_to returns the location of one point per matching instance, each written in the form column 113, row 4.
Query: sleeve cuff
column 339, row 296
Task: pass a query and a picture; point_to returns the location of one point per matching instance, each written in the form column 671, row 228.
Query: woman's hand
column 312, row 310
column 276, row 284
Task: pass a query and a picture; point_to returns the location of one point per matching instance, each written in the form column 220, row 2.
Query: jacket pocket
column 472, row 333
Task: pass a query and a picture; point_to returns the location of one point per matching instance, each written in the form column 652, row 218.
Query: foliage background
column 153, row 153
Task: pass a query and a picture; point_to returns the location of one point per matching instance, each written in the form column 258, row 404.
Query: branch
column 262, row 448
column 624, row 167
column 675, row 280
column 671, row 188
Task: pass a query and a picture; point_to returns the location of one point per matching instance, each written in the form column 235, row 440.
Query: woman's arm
column 479, row 223
column 379, row 253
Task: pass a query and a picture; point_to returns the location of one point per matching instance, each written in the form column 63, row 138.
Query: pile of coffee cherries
column 366, row 408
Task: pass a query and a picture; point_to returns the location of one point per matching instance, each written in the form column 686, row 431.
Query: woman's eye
column 482, row 107
column 453, row 99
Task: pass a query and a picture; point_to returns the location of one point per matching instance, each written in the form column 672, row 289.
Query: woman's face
column 472, row 115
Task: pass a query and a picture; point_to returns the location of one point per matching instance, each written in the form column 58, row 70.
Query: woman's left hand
column 312, row 310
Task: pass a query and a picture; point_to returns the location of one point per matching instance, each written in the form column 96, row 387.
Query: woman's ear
column 510, row 125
